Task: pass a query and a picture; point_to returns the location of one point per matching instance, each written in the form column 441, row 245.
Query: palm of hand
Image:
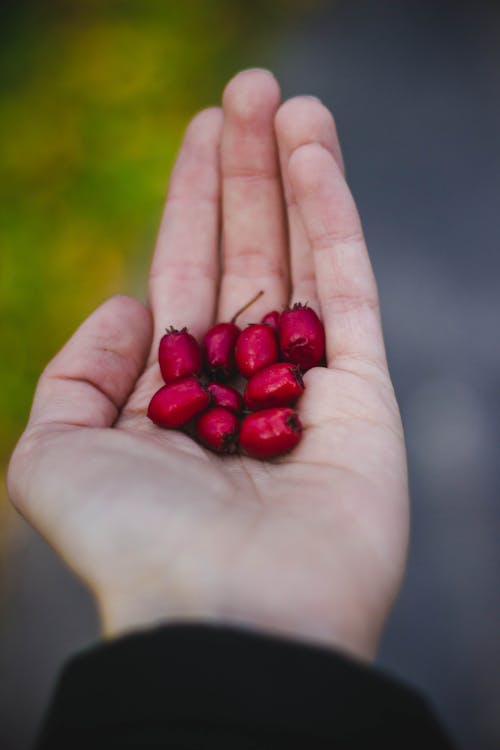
column 311, row 545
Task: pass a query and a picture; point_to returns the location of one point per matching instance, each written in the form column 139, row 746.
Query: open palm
column 311, row 544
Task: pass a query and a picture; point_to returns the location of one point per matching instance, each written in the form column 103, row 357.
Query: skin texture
column 311, row 545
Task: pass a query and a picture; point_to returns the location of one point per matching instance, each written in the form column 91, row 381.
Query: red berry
column 271, row 432
column 272, row 319
column 176, row 403
column 219, row 341
column 301, row 337
column 225, row 396
column 280, row 384
column 218, row 346
column 179, row 355
column 217, row 429
column 256, row 348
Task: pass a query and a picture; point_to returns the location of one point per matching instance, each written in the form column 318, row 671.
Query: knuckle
column 338, row 236
column 353, row 302
column 252, row 262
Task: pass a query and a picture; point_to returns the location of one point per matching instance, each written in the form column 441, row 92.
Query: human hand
column 311, row 545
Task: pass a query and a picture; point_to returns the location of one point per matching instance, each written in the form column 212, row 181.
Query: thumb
column 89, row 380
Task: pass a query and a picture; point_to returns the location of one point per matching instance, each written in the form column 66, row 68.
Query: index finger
column 185, row 269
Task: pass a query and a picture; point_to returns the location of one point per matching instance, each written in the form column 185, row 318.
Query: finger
column 89, row 381
column 302, row 120
column 254, row 237
column 346, row 284
column 184, row 270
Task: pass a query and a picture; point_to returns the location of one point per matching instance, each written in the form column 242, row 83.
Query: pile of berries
column 271, row 355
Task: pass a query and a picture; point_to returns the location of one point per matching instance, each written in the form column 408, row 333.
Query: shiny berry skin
column 217, row 429
column 301, row 336
column 256, row 347
column 218, row 347
column 177, row 403
column 270, row 433
column 225, row 396
column 280, row 384
column 179, row 355
column 272, row 319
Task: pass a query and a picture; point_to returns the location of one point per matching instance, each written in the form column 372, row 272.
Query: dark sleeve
column 199, row 686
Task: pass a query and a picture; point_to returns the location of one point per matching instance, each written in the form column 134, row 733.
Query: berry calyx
column 301, row 336
column 179, row 355
column 177, row 403
column 280, row 384
column 217, row 429
column 270, row 433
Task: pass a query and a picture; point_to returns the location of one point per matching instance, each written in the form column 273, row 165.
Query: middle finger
column 254, row 235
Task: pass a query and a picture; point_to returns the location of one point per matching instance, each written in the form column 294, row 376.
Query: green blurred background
column 94, row 97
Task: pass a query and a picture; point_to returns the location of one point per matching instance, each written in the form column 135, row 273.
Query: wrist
column 121, row 614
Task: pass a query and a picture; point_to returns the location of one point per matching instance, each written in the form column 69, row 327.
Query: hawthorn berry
column 272, row 319
column 270, row 432
column 217, row 429
column 301, row 336
column 225, row 396
column 218, row 348
column 177, row 403
column 280, row 384
column 179, row 355
column 256, row 347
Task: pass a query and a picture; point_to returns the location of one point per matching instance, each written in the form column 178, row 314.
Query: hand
column 311, row 545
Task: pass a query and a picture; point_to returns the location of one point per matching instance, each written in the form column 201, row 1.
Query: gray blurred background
column 415, row 91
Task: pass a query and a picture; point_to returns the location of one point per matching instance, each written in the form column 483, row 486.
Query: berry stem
column 246, row 306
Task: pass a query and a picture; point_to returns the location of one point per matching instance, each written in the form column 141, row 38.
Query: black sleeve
column 199, row 686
